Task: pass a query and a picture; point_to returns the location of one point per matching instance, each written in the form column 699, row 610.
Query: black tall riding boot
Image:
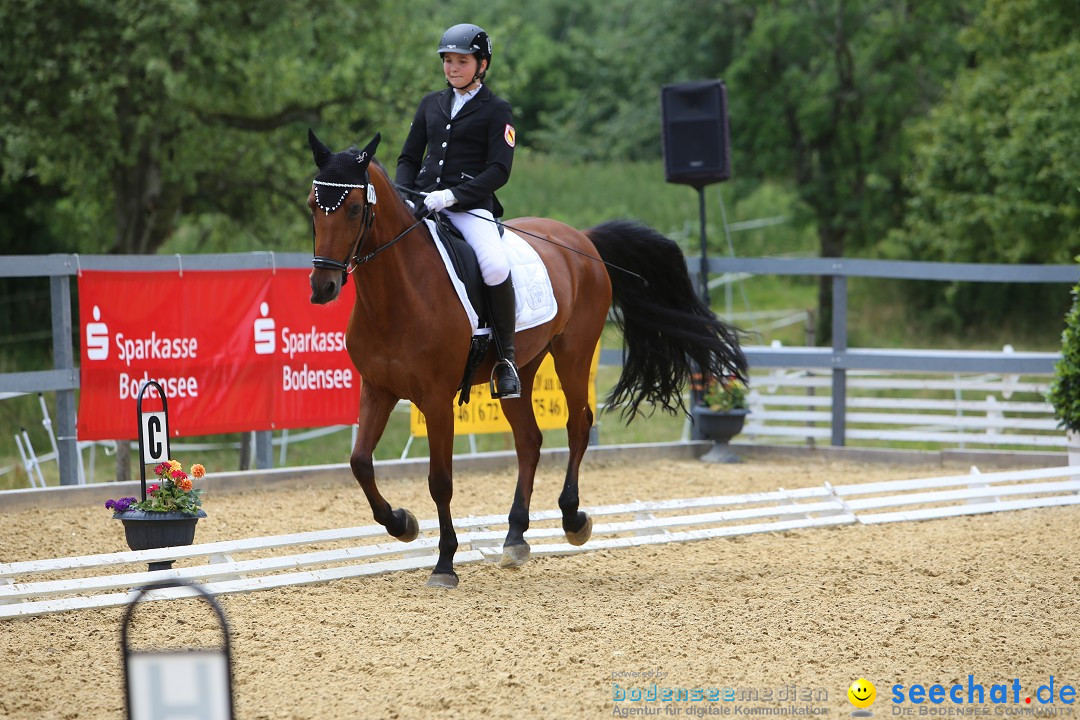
column 505, row 382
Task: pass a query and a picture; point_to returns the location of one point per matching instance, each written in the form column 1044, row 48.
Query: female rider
column 468, row 134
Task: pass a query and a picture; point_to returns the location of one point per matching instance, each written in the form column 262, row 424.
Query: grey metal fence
column 63, row 378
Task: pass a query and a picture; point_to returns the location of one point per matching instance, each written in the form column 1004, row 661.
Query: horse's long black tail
column 668, row 331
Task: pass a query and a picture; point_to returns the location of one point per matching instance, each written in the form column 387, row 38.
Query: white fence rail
column 892, row 408
column 626, row 525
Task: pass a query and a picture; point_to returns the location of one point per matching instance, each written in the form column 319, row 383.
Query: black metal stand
column 142, row 440
column 201, row 703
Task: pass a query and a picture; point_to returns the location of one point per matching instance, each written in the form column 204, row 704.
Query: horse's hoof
column 515, row 555
column 412, row 528
column 581, row 536
column 443, row 580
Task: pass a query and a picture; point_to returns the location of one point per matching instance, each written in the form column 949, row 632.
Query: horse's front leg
column 376, row 405
column 440, row 424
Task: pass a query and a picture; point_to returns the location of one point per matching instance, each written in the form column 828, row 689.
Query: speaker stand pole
column 704, row 273
column 697, row 389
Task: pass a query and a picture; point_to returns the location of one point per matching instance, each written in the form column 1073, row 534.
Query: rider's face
column 460, row 69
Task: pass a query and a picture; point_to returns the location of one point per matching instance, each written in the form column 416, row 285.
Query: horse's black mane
column 402, row 196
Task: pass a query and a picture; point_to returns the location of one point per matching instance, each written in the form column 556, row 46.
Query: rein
column 376, row 251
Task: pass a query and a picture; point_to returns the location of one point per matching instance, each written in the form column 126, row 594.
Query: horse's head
column 342, row 208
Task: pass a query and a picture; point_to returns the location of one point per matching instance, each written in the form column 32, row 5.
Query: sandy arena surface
column 769, row 616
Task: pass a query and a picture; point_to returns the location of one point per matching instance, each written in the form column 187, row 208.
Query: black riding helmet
column 467, row 39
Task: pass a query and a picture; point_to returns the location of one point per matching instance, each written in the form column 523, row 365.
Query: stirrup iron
column 512, row 369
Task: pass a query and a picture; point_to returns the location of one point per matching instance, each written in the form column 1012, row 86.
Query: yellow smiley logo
column 862, row 693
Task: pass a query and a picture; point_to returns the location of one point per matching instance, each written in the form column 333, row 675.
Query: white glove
column 439, row 200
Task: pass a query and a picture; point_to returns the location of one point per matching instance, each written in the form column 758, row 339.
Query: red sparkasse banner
column 234, row 350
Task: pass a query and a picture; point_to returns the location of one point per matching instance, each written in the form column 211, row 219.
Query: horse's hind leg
column 527, row 441
column 375, row 409
column 573, row 361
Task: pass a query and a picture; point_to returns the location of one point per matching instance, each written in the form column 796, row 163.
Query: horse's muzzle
column 325, row 286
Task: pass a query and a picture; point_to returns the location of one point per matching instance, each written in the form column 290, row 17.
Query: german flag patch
column 510, row 135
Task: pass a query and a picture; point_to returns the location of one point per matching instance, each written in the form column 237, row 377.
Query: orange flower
column 197, row 471
column 184, row 484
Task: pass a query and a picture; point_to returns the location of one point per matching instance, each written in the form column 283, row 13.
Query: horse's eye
column 355, row 209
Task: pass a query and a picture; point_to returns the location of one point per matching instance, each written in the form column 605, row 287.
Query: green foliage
column 583, row 194
column 820, row 94
column 142, row 113
column 174, row 491
column 1064, row 392
column 725, row 394
column 994, row 177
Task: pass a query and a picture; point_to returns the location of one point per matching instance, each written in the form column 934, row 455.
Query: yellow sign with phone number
column 482, row 414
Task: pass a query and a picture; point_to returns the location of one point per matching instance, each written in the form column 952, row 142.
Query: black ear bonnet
column 339, row 172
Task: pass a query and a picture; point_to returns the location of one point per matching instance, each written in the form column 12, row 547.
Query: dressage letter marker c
column 155, row 428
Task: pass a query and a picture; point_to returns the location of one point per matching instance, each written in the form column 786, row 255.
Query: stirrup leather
column 513, row 374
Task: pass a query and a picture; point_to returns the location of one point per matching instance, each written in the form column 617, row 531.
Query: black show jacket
column 470, row 154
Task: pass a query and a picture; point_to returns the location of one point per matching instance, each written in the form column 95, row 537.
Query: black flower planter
column 719, row 425
column 148, row 530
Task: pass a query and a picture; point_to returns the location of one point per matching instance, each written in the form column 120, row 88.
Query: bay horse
column 409, row 335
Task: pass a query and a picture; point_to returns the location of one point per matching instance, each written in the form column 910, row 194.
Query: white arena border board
column 480, row 538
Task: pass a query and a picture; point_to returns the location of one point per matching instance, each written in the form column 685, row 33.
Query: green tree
column 994, row 176
column 145, row 117
column 821, row 92
column 144, row 114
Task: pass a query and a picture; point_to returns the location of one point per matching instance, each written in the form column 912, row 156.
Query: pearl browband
column 330, row 184
column 370, row 193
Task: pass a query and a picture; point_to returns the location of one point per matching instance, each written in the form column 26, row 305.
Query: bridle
column 367, row 221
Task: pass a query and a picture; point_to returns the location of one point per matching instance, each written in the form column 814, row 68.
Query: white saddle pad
column 532, row 286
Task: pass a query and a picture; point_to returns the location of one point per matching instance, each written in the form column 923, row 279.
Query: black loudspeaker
column 696, row 136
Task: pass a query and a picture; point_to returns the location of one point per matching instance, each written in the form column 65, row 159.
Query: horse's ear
column 369, row 150
column 318, row 150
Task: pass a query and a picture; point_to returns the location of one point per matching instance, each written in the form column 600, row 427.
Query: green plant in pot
column 166, row 517
column 725, row 394
column 721, row 414
column 1064, row 393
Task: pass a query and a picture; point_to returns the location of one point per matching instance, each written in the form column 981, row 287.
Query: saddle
column 467, row 267
column 535, row 297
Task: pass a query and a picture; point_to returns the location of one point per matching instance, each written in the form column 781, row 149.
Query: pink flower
column 178, row 475
column 152, row 488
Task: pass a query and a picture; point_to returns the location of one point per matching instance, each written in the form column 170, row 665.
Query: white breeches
column 482, row 234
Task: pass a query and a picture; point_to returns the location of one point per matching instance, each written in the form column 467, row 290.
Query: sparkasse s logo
column 97, row 338
column 264, row 332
